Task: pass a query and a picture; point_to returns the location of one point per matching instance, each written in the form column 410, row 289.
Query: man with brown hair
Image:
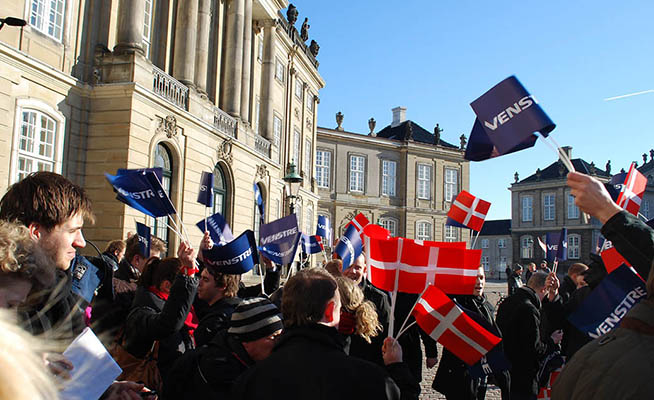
column 571, row 280
column 308, row 362
column 54, row 210
column 129, row 269
column 219, row 291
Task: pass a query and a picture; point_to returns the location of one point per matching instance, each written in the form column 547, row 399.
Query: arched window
column 423, row 230
column 526, row 247
column 219, row 191
column 164, row 160
column 36, row 144
column 390, row 224
column 257, row 215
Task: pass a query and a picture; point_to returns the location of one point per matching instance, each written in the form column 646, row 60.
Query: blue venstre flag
column 507, row 117
column 279, row 239
column 143, row 233
column 218, row 228
column 259, row 200
column 141, row 190
column 205, row 195
column 311, row 244
column 557, row 245
column 324, row 229
column 608, row 303
column 349, row 246
column 236, row 257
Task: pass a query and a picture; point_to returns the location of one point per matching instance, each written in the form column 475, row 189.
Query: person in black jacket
column 208, row 372
column 515, row 281
column 572, row 280
column 161, row 308
column 219, row 291
column 519, row 319
column 308, row 362
column 453, row 377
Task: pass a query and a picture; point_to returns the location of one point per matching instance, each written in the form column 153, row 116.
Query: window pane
column 573, row 210
column 451, row 184
column 424, row 181
column 548, row 207
column 307, row 158
column 357, row 170
column 323, row 159
column 527, row 212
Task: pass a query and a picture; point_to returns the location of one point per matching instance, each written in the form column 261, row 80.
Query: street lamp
column 292, row 181
column 11, row 21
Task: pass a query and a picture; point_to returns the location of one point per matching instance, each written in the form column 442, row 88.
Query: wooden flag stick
column 410, row 311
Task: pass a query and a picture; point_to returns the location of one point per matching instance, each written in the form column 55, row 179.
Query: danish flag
column 610, row 257
column 546, row 392
column 446, row 323
column 359, row 222
column 468, row 211
column 632, row 191
column 409, row 266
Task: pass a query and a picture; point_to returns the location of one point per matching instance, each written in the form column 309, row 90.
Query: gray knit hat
column 254, row 319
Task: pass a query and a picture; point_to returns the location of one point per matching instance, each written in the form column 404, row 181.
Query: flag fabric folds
column 311, row 244
column 278, row 240
column 349, row 246
column 507, row 117
column 608, row 303
column 542, row 245
column 143, row 233
column 446, row 323
column 632, row 191
column 324, row 229
column 205, row 194
column 468, row 211
column 142, row 190
column 236, row 257
column 359, row 222
column 375, row 231
column 492, row 362
column 259, row 199
column 449, row 266
column 218, row 228
column 610, row 257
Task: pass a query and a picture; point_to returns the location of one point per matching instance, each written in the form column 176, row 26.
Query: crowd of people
column 178, row 331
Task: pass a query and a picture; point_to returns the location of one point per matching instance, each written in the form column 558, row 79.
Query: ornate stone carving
column 437, row 134
column 291, row 14
column 464, row 141
column 262, row 171
column 296, row 112
column 371, row 124
column 644, row 158
column 224, row 151
column 608, row 167
column 516, row 177
column 538, row 174
column 304, row 31
column 339, row 121
column 593, row 169
column 651, row 155
column 314, row 48
column 408, row 132
column 308, row 123
column 168, row 126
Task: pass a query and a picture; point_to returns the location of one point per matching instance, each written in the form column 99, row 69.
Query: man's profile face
column 480, row 283
column 61, row 243
column 357, row 271
column 207, row 288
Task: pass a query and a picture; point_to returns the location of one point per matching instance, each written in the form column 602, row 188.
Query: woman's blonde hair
column 23, row 374
column 352, row 300
column 22, row 258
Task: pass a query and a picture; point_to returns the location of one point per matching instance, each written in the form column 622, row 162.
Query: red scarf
column 191, row 319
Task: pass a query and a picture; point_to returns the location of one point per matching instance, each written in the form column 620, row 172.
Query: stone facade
column 217, row 86
column 377, row 174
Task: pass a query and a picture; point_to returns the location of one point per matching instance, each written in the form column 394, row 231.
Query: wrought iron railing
column 170, row 88
column 224, row 122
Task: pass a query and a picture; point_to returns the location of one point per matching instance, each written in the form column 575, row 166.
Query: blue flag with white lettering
column 324, row 229
column 143, row 233
column 557, row 245
column 142, row 190
column 236, row 257
column 279, row 239
column 507, row 117
column 349, row 246
column 205, row 194
column 311, row 244
column 218, row 228
column 608, row 303
column 259, row 199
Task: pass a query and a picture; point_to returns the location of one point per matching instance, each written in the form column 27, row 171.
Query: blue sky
column 436, row 56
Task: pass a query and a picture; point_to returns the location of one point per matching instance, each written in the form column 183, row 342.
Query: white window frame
column 389, row 176
column 40, row 21
column 280, row 70
column 390, row 224
column 308, row 220
column 549, row 207
column 323, row 168
column 526, row 247
column 39, row 107
column 308, row 152
column 257, row 114
column 574, row 246
column 297, row 137
column 450, row 234
column 299, row 89
column 277, row 129
column 527, row 208
column 451, row 184
column 501, row 243
column 309, row 102
column 423, row 179
column 298, row 213
column 147, row 27
column 357, row 173
column 424, row 230
column 573, row 210
column 485, row 262
column 484, row 243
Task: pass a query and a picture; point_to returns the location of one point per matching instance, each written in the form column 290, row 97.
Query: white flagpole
column 475, row 241
column 205, row 218
column 400, row 333
column 391, row 318
column 410, row 311
column 263, row 272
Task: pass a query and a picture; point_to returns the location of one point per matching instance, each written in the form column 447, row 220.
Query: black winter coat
column 214, row 319
column 358, row 346
column 567, row 287
column 153, row 319
column 518, row 318
column 514, row 282
column 309, row 363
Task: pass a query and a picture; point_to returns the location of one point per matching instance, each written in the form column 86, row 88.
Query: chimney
column 567, row 150
column 399, row 116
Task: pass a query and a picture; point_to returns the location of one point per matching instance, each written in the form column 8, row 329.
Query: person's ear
column 36, row 230
column 328, row 316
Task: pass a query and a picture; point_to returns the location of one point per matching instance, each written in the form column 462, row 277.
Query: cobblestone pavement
column 493, row 291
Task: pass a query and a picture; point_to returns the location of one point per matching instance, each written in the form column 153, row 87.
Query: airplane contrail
column 628, row 95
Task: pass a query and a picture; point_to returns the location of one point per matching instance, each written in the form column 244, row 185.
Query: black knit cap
column 254, row 319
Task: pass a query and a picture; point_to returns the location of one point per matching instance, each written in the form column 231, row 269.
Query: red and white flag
column 359, row 222
column 632, row 191
column 610, row 257
column 546, row 392
column 446, row 323
column 415, row 264
column 468, row 211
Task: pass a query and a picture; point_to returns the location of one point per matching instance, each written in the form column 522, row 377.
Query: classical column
column 185, row 41
column 268, row 79
column 131, row 14
column 202, row 49
column 247, row 62
column 231, row 92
